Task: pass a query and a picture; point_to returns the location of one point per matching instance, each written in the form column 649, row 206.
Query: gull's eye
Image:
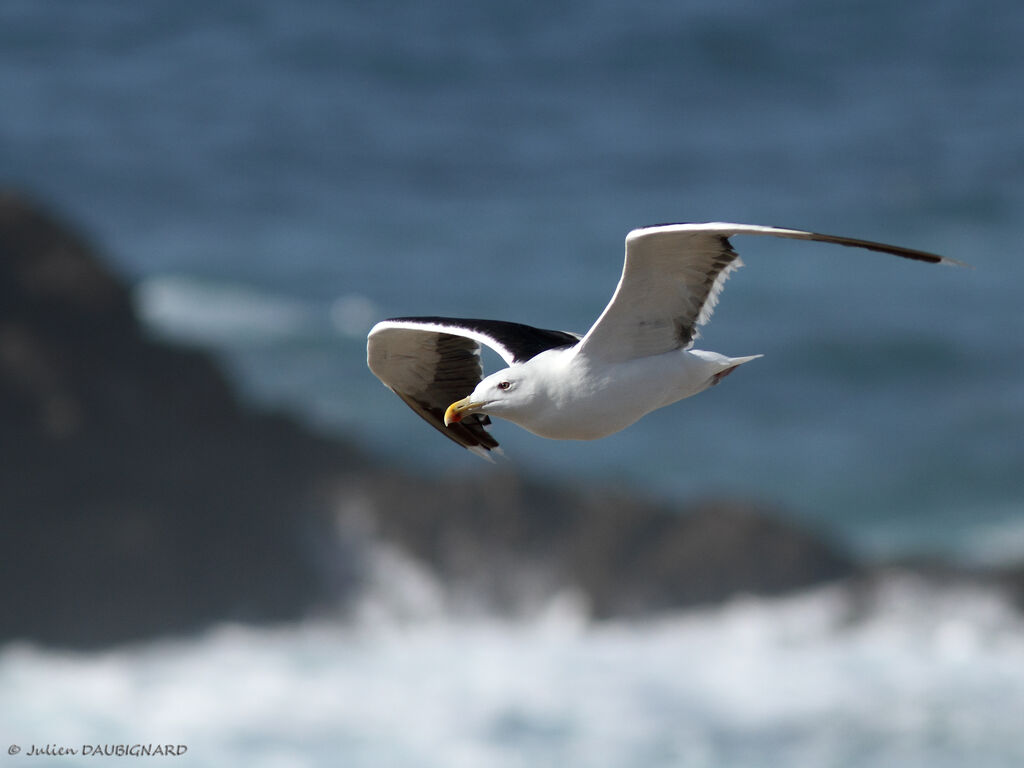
column 503, row 385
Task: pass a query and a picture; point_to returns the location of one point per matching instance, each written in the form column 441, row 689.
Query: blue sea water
column 274, row 177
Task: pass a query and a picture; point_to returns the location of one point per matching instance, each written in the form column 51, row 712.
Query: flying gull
column 636, row 358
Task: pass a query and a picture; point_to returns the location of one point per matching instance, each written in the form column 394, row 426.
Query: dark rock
column 516, row 542
column 711, row 551
column 137, row 496
column 1011, row 579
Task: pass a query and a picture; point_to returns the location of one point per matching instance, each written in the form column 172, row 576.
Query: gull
column 636, row 358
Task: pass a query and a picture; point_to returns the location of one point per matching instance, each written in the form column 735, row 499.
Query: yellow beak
column 454, row 413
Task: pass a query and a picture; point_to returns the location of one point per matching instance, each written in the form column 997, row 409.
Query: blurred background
column 270, row 179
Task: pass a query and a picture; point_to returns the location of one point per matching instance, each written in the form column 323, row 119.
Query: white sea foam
column 902, row 675
column 206, row 312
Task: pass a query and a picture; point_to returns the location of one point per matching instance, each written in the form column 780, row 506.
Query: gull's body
column 636, row 358
column 577, row 398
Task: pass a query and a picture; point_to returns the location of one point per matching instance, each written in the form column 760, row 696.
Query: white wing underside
column 671, row 282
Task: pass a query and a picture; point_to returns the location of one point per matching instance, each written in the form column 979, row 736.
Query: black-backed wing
column 430, row 362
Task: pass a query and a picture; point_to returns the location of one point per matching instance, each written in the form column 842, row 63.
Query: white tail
column 731, row 364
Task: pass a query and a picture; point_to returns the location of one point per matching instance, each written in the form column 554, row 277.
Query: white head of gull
column 637, row 357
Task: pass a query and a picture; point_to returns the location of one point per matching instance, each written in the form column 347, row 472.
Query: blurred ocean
column 913, row 679
column 275, row 177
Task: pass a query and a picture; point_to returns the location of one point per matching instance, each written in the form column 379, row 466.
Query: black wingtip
column 894, row 250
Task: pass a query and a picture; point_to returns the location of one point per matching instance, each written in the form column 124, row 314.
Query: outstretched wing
column 430, row 362
column 671, row 281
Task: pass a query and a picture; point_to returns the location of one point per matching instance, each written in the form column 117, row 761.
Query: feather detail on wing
column 669, row 287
